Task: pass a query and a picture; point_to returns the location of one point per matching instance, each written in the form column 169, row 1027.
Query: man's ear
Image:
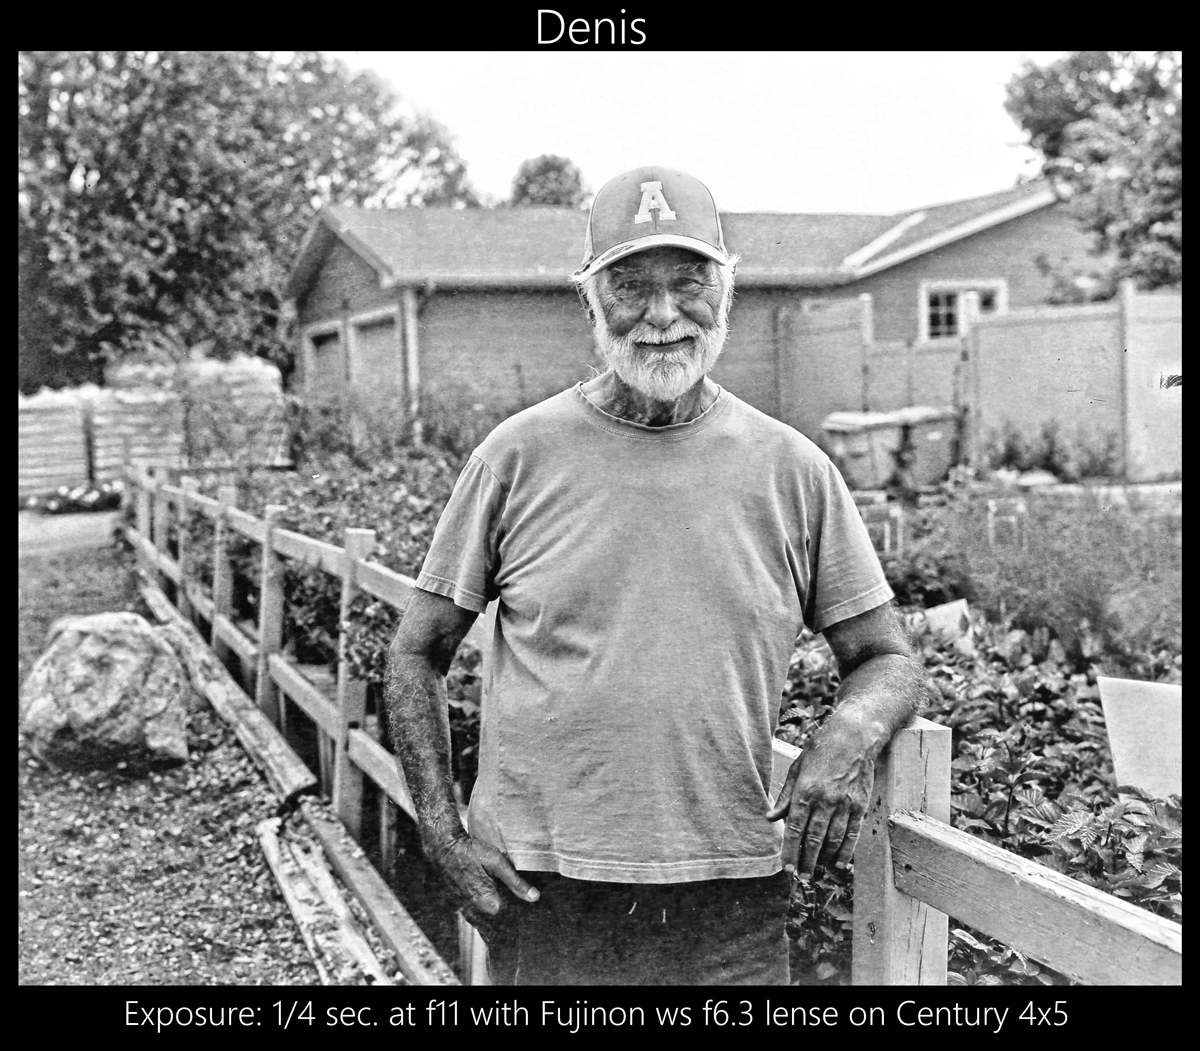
column 584, row 299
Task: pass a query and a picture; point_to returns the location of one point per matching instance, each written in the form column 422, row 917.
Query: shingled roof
column 540, row 247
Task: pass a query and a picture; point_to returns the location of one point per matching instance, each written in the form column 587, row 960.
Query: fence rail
column 912, row 868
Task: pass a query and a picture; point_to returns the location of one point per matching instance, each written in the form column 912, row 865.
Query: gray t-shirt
column 651, row 584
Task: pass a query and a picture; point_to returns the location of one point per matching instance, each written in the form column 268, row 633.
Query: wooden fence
column 912, row 869
column 1100, row 372
column 52, row 448
column 87, row 434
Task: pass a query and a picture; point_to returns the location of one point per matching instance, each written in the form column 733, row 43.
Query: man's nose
column 662, row 311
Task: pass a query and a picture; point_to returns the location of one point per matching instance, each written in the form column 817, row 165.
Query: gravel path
column 152, row 880
column 52, row 534
column 157, row 880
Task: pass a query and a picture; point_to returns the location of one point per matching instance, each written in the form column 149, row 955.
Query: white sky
column 767, row 131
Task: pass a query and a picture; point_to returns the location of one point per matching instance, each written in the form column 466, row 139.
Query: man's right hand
column 473, row 870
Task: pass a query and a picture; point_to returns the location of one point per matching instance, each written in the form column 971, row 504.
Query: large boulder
column 108, row 689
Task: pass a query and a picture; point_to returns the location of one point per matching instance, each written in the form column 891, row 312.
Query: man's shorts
column 712, row 932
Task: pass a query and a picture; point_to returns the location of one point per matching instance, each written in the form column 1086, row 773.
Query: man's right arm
column 418, row 715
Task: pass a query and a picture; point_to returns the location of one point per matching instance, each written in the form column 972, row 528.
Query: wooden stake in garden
column 270, row 619
column 351, row 692
column 162, row 520
column 222, row 590
column 189, row 485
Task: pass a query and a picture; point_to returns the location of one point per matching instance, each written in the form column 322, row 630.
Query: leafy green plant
column 402, row 498
column 1031, row 772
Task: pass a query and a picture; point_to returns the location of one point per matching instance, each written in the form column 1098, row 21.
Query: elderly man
column 655, row 546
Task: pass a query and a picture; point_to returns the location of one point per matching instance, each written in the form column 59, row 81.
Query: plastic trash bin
column 864, row 446
column 873, row 449
column 929, row 444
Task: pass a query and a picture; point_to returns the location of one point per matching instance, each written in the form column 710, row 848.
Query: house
column 452, row 306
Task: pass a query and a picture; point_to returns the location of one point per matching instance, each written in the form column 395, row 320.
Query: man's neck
column 616, row 397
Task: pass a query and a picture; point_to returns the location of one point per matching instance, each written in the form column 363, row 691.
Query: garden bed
column 1093, row 588
column 1087, row 588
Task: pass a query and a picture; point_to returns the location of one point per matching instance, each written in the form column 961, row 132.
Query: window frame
column 309, row 335
column 993, row 284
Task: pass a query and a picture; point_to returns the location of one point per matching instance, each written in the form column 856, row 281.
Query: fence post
column 412, row 362
column 162, row 526
column 189, row 485
column 89, row 437
column 143, row 510
column 351, row 694
column 898, row 940
column 969, row 330
column 270, row 619
column 222, row 591
column 1126, row 294
column 866, row 328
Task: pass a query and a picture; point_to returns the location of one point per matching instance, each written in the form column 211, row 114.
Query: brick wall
column 1007, row 251
column 502, row 348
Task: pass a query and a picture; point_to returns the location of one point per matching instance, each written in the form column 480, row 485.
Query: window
column 329, row 369
column 941, row 305
column 324, row 369
column 943, row 314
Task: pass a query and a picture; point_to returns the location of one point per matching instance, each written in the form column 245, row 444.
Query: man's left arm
column 828, row 788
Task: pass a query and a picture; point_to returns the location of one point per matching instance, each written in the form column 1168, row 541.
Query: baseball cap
column 651, row 207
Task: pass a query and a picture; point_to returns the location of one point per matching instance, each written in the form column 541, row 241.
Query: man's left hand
column 828, row 789
column 824, row 798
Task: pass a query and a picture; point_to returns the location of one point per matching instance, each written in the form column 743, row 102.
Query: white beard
column 665, row 376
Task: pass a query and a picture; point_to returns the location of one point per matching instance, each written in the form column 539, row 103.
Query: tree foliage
column 548, row 180
column 168, row 192
column 1109, row 125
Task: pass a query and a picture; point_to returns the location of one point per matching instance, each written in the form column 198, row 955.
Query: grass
column 74, row 583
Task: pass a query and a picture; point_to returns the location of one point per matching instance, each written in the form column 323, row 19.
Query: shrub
column 82, row 498
column 358, row 426
column 1070, row 459
column 457, row 424
column 1102, row 580
column 368, row 428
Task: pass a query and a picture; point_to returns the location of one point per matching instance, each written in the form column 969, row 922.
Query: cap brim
column 620, row 251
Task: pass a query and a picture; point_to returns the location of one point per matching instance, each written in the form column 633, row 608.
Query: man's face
column 660, row 320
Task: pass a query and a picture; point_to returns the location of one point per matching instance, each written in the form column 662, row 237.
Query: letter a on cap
column 652, row 197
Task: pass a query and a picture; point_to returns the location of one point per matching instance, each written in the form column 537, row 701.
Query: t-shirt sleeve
column 462, row 559
column 845, row 577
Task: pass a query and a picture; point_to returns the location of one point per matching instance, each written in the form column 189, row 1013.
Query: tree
column 1109, row 125
column 548, row 180
column 169, row 192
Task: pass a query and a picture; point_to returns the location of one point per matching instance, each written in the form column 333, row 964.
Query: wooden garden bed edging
column 285, row 771
column 418, row 960
column 334, row 940
column 290, row 779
